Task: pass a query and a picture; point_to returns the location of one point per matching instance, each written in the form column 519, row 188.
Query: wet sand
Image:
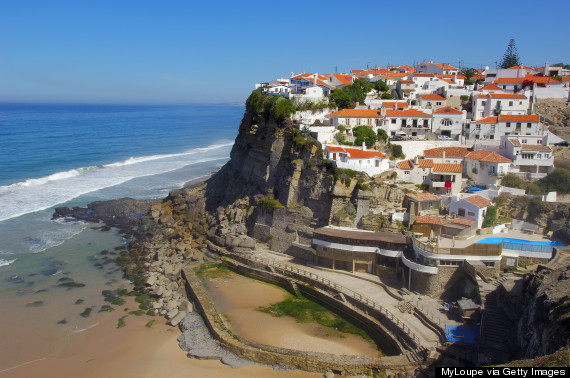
column 134, row 351
column 237, row 297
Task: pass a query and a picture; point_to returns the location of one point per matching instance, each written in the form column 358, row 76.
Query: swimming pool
column 520, row 241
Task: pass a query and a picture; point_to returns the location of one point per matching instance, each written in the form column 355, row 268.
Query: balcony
column 497, row 174
column 437, row 184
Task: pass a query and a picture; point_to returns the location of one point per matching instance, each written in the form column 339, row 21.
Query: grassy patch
column 71, row 284
column 86, row 312
column 213, row 270
column 151, row 323
column 121, row 322
column 307, row 311
column 137, row 312
column 106, row 308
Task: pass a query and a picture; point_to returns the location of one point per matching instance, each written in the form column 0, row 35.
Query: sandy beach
column 134, row 351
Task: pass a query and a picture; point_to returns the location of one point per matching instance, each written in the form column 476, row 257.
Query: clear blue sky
column 122, row 51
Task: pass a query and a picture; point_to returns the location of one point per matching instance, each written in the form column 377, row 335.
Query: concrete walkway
column 369, row 286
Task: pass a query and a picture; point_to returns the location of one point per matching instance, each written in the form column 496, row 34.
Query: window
column 520, row 102
column 406, row 172
column 539, row 156
column 483, row 103
column 508, row 124
column 529, row 125
column 471, row 214
column 518, row 125
column 461, row 212
column 393, row 120
column 424, row 178
column 446, row 122
column 511, row 103
column 477, row 127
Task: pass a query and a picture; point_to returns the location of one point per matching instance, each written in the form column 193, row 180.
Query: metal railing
column 341, row 289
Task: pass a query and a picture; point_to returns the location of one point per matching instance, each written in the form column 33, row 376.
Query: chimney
column 443, row 156
column 315, row 77
column 363, row 146
column 292, row 74
column 546, row 69
column 416, row 160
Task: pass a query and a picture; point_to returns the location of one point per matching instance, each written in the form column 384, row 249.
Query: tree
column 341, row 98
column 381, row 86
column 468, row 72
column 386, row 96
column 513, row 181
column 511, row 57
column 364, row 134
column 382, row 134
column 490, row 216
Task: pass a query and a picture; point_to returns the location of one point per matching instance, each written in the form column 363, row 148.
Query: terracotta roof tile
column 432, row 97
column 423, row 75
column 478, row 201
column 425, row 163
column 541, row 79
column 519, row 118
column 535, row 147
column 429, row 220
column 449, row 168
column 404, row 164
column 491, row 87
column 405, row 113
column 407, row 81
column 486, row 120
column 488, row 156
column 450, row 152
column 463, row 221
column 355, row 153
column 447, row 110
column 334, row 148
column 515, row 142
column 424, row 197
column 360, row 113
column 392, row 104
column 509, row 80
column 507, row 95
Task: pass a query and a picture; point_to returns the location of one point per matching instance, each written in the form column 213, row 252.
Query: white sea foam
column 39, row 194
column 6, row 262
column 85, row 329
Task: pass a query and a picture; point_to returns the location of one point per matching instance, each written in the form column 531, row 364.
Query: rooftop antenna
column 335, row 69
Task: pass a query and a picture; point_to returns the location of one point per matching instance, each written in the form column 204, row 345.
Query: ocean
column 70, row 155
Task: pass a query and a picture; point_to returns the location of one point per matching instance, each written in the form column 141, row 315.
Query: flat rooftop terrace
column 512, row 234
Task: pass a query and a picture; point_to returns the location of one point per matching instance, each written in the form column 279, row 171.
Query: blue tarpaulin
column 473, row 189
column 462, row 334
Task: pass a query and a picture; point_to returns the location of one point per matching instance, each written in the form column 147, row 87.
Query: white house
column 486, row 167
column 447, row 155
column 410, row 122
column 493, row 104
column 493, row 128
column 473, row 207
column 405, row 88
column 358, row 159
column 417, row 171
column 431, row 101
column 441, row 178
column 447, row 121
column 339, row 80
column 531, row 154
column 356, row 117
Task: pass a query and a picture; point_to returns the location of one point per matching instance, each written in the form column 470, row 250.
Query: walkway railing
column 344, row 290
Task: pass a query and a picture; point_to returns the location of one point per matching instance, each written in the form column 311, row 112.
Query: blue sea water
column 70, row 155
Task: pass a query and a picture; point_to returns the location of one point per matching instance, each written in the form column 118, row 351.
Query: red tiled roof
column 482, row 96
column 409, row 164
column 423, row 75
column 404, row 164
column 420, row 219
column 519, row 118
column 432, row 97
column 441, row 65
column 342, row 78
column 425, row 163
column 535, row 147
column 355, row 153
column 478, row 201
column 509, row 80
column 519, row 67
column 488, row 156
column 506, row 95
column 360, row 113
column 450, row 152
column 448, row 110
column 424, row 197
column 466, row 222
column 515, row 142
column 392, row 104
column 541, row 79
column 487, row 120
column 301, row 76
column 490, row 87
column 405, row 113
column 449, row 168
column 334, row 148
column 407, row 81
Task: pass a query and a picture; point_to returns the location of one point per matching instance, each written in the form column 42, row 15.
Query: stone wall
column 304, row 253
column 447, row 282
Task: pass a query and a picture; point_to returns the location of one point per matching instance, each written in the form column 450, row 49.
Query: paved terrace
column 512, row 234
column 371, row 287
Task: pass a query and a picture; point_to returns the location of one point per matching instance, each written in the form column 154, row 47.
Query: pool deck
column 511, row 234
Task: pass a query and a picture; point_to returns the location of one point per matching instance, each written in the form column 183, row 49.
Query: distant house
column 486, row 167
column 448, row 155
column 490, row 88
column 447, row 121
column 356, row 117
column 431, row 101
column 405, row 88
column 473, row 207
column 422, row 204
column 417, row 171
column 339, row 80
column 437, row 68
column 446, row 178
column 493, row 128
column 359, row 159
column 510, row 84
column 494, row 104
column 530, row 154
column 410, row 122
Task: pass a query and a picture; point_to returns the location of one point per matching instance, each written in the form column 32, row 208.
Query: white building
column 447, row 155
column 473, row 207
column 358, row 159
column 486, row 167
column 356, row 117
column 531, row 154
column 440, row 178
column 436, row 68
column 493, row 128
column 447, row 121
column 411, row 122
column 431, row 101
column 493, row 104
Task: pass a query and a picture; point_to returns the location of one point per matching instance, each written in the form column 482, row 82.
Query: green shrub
column 361, row 185
column 513, row 181
column 383, row 135
column 386, row 96
column 350, row 209
column 269, row 204
column 490, row 217
column 365, row 134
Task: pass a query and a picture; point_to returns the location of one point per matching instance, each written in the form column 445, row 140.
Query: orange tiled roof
column 478, row 201
column 355, row 153
column 417, row 74
column 334, row 148
column 432, row 97
column 450, row 152
column 301, row 76
column 535, row 147
column 487, row 120
column 360, row 113
column 541, row 79
column 506, row 95
column 519, row 67
column 519, row 118
column 420, row 219
column 319, row 82
column 482, row 96
column 441, row 65
column 392, row 104
column 404, row 164
column 342, row 78
column 425, row 163
column 490, row 87
column 509, row 80
column 515, row 142
column 405, row 113
column 449, row 168
column 447, row 109
column 407, row 81
column 463, row 221
column 488, row 156
column 424, row 197
column 449, row 81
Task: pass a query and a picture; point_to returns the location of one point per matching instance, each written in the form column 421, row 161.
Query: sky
column 213, row 52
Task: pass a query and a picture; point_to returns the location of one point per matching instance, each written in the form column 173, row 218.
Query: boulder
column 185, row 306
column 172, row 313
column 246, row 242
column 151, row 280
column 177, row 319
column 198, row 256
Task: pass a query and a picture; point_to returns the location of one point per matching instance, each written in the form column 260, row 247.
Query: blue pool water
column 520, row 241
column 462, row 334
